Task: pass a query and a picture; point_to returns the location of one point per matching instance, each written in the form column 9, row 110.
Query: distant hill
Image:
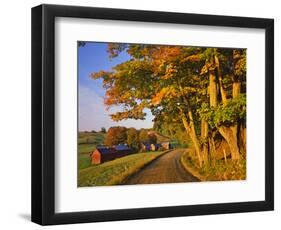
column 88, row 141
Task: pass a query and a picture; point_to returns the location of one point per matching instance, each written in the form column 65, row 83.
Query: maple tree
column 116, row 135
column 200, row 90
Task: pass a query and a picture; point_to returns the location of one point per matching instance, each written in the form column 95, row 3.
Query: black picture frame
column 43, row 114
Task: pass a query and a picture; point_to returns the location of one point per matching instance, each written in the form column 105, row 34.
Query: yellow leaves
column 170, row 93
column 206, row 68
column 158, row 97
column 171, row 71
column 144, row 52
column 130, row 113
column 239, row 63
column 173, row 52
column 116, row 96
column 166, row 92
column 236, row 54
column 109, row 101
column 192, row 58
column 166, row 53
column 99, row 74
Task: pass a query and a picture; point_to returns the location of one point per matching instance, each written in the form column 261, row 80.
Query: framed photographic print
column 142, row 114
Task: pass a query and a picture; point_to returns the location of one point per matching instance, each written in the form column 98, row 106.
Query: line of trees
column 199, row 90
column 132, row 137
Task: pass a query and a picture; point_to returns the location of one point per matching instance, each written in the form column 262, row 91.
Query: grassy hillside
column 87, row 142
column 114, row 172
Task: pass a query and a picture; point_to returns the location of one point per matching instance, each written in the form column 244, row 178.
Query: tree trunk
column 213, row 92
column 204, row 137
column 242, row 138
column 230, row 135
column 213, row 89
column 190, row 128
column 222, row 90
column 212, row 149
column 194, row 139
column 236, row 88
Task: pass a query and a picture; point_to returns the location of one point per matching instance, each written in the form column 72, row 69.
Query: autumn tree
column 159, row 78
column 143, row 135
column 133, row 139
column 198, row 88
column 152, row 138
column 116, row 135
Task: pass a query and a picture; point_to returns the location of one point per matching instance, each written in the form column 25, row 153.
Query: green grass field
column 87, row 142
column 83, row 160
column 116, row 171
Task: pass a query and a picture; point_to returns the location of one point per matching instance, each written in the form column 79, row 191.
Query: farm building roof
column 106, row 150
column 122, row 147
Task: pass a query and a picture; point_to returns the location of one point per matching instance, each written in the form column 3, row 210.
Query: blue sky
column 92, row 113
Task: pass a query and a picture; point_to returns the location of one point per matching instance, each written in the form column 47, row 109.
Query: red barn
column 103, row 154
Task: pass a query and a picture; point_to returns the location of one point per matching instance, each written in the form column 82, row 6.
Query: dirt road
column 165, row 169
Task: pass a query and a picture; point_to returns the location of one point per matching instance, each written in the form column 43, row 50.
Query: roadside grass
column 116, row 171
column 218, row 170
